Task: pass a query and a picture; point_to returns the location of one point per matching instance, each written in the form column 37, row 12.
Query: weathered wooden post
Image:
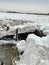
column 16, row 34
column 5, row 54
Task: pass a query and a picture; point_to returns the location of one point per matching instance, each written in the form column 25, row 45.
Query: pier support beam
column 16, row 34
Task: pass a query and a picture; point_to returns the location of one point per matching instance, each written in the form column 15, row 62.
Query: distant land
column 25, row 13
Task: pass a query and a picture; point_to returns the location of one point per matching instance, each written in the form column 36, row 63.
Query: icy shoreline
column 35, row 49
column 24, row 22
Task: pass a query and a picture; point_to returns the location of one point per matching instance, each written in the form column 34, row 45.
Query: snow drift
column 36, row 51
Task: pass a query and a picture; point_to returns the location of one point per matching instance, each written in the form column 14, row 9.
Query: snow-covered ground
column 19, row 16
column 24, row 22
column 36, row 49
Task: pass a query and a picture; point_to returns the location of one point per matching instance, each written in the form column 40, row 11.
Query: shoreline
column 24, row 13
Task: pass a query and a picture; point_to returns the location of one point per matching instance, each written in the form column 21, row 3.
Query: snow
column 44, row 41
column 21, row 46
column 24, row 22
column 35, row 38
column 36, row 49
column 29, row 17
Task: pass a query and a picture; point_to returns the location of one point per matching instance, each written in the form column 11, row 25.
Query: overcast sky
column 27, row 1
column 25, row 5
